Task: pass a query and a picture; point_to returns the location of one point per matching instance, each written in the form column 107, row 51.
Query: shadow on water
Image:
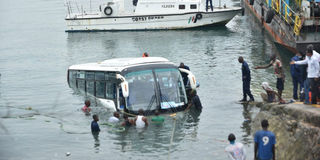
column 96, row 141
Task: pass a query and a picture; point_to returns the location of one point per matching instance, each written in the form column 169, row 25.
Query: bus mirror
column 192, row 80
column 125, row 89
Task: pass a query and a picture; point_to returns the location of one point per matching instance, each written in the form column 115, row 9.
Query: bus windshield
column 143, row 89
column 142, row 93
column 172, row 91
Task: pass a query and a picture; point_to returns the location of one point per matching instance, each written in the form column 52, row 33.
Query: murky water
column 40, row 116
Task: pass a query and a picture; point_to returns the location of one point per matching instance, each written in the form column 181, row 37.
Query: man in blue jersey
column 264, row 147
column 246, row 78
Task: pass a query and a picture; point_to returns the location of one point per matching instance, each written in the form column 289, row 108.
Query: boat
column 130, row 84
column 147, row 15
column 293, row 25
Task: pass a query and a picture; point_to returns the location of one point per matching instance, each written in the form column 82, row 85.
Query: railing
column 286, row 13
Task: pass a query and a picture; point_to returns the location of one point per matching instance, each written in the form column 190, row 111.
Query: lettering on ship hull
column 146, row 18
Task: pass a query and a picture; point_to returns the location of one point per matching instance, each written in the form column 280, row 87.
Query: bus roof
column 119, row 64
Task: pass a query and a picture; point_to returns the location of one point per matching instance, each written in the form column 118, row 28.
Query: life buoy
column 199, row 16
column 108, row 10
column 251, row 2
column 270, row 15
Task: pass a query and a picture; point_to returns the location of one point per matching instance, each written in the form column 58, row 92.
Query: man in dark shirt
column 195, row 100
column 94, row 124
column 184, row 75
column 246, row 78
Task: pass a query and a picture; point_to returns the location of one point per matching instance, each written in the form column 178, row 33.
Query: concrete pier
column 297, row 129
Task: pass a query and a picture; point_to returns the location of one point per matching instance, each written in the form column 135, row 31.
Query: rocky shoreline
column 297, row 129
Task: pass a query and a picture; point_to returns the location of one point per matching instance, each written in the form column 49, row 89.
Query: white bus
column 130, row 84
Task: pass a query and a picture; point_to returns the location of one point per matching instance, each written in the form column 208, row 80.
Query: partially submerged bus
column 130, row 84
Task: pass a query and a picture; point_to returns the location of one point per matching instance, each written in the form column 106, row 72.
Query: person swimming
column 86, row 108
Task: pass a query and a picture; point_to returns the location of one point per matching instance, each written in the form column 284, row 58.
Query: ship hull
column 281, row 33
column 152, row 22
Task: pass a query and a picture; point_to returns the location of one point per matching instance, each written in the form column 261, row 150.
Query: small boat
column 293, row 25
column 130, row 84
column 147, row 15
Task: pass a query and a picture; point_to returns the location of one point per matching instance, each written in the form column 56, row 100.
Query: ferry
column 130, row 84
column 147, row 15
column 292, row 24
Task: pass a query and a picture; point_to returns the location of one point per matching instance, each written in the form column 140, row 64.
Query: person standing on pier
column 312, row 60
column 246, row 78
column 296, row 74
column 278, row 71
column 264, row 143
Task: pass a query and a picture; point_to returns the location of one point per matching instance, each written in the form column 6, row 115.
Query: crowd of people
column 305, row 72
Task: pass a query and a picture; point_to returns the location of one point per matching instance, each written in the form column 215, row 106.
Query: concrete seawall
column 297, row 129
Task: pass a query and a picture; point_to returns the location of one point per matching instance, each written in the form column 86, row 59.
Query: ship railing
column 286, row 13
column 75, row 9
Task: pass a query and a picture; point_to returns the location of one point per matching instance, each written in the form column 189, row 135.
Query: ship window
column 193, row 6
column 182, row 6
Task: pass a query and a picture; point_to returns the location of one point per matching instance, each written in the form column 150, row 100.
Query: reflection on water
column 157, row 138
column 246, row 125
column 96, row 141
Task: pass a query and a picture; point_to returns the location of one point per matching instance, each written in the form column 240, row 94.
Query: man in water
column 145, row 54
column 235, row 150
column 312, row 60
column 246, row 78
column 114, row 118
column 157, row 118
column 277, row 66
column 86, row 108
column 195, row 101
column 296, row 74
column 264, row 143
column 94, row 124
column 140, row 121
column 184, row 75
column 127, row 122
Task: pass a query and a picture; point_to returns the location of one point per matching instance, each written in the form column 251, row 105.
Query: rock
column 297, row 129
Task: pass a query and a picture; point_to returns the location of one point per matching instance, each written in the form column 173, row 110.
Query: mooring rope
column 172, row 134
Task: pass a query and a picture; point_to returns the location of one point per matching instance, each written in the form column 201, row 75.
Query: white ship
column 147, row 15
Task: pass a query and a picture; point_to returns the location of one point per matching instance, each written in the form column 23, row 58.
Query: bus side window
column 81, row 83
column 110, row 90
column 90, row 83
column 100, row 84
column 72, row 78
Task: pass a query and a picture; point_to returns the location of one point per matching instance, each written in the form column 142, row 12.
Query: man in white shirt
column 312, row 59
column 235, row 150
column 114, row 118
